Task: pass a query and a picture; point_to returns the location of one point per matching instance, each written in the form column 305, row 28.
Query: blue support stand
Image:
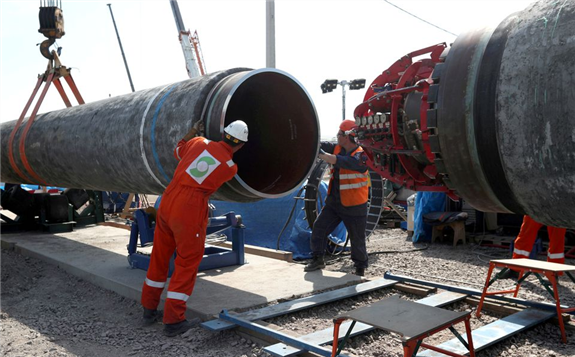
column 214, row 257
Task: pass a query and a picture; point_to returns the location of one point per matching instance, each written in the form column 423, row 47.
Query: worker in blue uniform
column 346, row 201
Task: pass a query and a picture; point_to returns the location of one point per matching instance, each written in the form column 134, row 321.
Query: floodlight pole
column 329, row 85
column 270, row 34
column 343, row 84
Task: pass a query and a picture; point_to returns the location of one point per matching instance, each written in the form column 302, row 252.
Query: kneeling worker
column 346, row 200
column 182, row 221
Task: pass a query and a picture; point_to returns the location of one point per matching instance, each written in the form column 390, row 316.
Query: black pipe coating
column 506, row 115
column 126, row 143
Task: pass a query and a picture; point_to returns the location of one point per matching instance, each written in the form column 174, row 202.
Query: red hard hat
column 347, row 125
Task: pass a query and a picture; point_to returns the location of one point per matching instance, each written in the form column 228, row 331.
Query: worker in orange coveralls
column 182, row 221
column 526, row 239
column 527, row 235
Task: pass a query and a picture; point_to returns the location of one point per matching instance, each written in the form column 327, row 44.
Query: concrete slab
column 98, row 254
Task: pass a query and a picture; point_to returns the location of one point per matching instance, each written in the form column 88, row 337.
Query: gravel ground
column 47, row 312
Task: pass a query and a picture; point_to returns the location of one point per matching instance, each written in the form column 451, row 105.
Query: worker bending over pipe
column 182, row 221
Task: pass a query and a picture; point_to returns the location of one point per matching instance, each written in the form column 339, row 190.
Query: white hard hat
column 237, row 131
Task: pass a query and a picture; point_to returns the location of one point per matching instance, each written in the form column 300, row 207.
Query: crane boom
column 185, row 41
column 198, row 50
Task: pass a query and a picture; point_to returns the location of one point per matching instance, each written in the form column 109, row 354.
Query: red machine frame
column 379, row 119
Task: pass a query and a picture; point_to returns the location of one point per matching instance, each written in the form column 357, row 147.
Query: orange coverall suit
column 182, row 222
column 527, row 235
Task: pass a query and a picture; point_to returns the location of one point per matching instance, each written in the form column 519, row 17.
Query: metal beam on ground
column 276, row 334
column 462, row 290
column 292, row 306
column 326, row 336
column 496, row 331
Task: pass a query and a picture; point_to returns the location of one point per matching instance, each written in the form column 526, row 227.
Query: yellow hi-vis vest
column 353, row 185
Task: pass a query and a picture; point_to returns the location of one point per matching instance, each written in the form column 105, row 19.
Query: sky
column 315, row 40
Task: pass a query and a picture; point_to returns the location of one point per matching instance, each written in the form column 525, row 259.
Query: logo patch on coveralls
column 202, row 167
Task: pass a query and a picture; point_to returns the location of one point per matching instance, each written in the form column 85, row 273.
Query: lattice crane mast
column 190, row 45
column 198, row 50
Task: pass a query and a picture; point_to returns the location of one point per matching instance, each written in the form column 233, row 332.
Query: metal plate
column 407, row 318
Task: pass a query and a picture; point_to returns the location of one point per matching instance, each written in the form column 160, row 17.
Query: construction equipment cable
column 419, row 18
column 342, row 255
column 289, row 217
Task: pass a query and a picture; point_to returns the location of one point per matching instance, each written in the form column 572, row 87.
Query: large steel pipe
column 126, row 143
column 506, row 115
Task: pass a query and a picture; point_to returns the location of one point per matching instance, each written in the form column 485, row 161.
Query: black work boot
column 151, row 316
column 359, row 271
column 171, row 330
column 316, row 264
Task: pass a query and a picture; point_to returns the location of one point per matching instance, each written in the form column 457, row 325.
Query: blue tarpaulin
column 300, row 234
column 425, row 202
column 265, row 219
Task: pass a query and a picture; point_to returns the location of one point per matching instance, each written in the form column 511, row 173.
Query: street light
column 330, row 84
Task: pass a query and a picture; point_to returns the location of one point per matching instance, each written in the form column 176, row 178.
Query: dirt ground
column 48, row 312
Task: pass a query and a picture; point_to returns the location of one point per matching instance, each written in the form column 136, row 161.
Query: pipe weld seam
column 153, row 132
column 143, row 151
